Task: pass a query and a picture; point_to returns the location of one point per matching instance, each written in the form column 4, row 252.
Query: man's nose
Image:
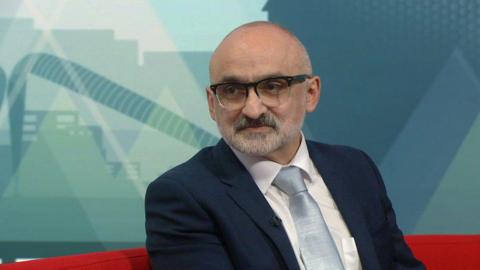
column 254, row 106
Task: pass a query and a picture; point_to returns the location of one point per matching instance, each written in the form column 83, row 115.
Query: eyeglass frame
column 290, row 80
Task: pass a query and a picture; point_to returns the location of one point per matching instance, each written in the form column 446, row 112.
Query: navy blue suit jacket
column 208, row 213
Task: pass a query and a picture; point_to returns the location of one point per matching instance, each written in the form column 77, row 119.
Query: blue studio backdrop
column 98, row 98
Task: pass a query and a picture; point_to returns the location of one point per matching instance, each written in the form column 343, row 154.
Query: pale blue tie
column 316, row 244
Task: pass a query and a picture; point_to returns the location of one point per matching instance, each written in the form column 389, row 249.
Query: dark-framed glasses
column 272, row 91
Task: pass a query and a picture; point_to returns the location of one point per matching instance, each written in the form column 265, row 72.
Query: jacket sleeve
column 403, row 258
column 180, row 233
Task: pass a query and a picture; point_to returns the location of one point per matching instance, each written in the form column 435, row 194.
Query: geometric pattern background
column 400, row 80
column 94, row 106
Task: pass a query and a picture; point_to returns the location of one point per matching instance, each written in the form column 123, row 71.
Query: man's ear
column 212, row 99
column 313, row 93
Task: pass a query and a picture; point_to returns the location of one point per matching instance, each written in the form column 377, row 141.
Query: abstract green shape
column 102, row 90
column 457, row 194
column 64, row 166
column 40, row 195
column 105, row 201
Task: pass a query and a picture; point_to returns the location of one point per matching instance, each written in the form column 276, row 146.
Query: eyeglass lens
column 272, row 92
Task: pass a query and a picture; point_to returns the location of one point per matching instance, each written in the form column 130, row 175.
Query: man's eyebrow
column 236, row 79
column 231, row 79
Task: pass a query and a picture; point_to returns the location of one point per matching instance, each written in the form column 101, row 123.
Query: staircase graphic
column 86, row 82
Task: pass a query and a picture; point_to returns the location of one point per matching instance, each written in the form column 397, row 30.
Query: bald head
column 260, row 44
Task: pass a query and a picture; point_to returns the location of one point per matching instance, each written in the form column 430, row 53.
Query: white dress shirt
column 264, row 172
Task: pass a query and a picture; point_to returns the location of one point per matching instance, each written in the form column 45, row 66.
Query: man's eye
column 273, row 85
column 232, row 90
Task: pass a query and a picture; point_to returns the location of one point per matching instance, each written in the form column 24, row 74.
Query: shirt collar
column 263, row 171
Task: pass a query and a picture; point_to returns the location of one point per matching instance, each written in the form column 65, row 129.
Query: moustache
column 263, row 121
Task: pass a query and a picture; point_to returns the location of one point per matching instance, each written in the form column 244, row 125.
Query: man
column 264, row 197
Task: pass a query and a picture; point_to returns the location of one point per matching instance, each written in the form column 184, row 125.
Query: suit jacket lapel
column 337, row 181
column 246, row 194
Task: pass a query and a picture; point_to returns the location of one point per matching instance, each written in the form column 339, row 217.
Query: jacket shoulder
column 198, row 168
column 341, row 157
column 332, row 150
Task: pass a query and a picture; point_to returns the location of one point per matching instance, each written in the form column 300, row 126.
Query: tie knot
column 290, row 181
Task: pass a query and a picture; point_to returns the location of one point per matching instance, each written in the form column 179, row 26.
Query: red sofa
column 126, row 259
column 447, row 252
column 438, row 252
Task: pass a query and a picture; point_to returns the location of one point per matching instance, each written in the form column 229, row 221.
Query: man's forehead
column 254, row 52
column 251, row 68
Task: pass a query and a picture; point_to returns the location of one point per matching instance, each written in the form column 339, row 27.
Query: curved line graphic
column 100, row 89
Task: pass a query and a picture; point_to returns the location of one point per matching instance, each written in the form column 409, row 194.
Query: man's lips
column 256, row 128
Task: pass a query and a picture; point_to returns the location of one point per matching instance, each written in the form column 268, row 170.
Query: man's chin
column 258, row 150
column 255, row 143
